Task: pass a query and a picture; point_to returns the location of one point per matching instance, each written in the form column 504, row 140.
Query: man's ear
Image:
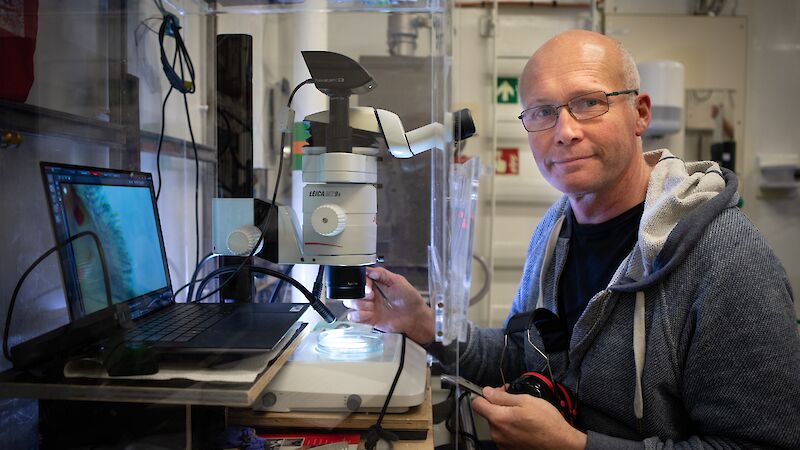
column 642, row 106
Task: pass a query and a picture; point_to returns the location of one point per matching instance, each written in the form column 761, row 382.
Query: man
column 679, row 318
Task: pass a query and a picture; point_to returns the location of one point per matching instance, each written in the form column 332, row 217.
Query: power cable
column 196, row 180
column 106, row 282
column 274, row 296
column 160, row 142
column 170, row 25
column 315, row 302
column 297, row 88
column 272, row 204
column 193, row 280
column 376, row 431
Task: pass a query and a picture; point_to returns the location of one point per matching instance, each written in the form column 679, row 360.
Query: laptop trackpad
column 246, row 330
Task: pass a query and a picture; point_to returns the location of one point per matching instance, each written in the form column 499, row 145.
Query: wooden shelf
column 16, row 384
column 417, row 419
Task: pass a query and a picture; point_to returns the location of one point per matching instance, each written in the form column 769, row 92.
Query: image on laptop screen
column 119, row 207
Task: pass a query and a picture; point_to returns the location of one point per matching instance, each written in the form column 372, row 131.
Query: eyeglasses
column 582, row 107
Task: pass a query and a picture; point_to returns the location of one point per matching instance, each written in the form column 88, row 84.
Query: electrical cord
column 170, row 25
column 297, row 88
column 106, row 282
column 455, row 429
column 266, row 220
column 160, row 142
column 161, row 134
column 260, row 238
column 315, row 302
column 317, row 290
column 474, row 434
column 194, row 279
column 196, row 182
column 271, row 206
column 376, row 431
column 277, row 289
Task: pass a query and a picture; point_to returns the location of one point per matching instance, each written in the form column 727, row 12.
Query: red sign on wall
column 507, row 161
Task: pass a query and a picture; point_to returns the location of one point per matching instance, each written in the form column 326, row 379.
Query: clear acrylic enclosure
column 195, row 93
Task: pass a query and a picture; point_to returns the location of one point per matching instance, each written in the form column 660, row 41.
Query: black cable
column 215, row 273
column 161, row 134
column 474, row 435
column 315, row 302
column 170, row 22
column 193, row 280
column 191, row 283
column 263, row 228
column 269, row 210
column 160, row 141
column 376, row 431
column 196, row 181
column 297, row 88
column 317, row 290
column 277, row 289
column 455, row 428
column 106, row 282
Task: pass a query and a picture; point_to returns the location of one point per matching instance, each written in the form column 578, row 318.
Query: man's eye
column 543, row 112
column 588, row 103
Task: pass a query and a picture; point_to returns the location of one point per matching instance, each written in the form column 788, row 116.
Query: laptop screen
column 119, row 207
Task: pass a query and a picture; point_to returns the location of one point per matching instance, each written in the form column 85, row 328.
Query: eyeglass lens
column 583, row 107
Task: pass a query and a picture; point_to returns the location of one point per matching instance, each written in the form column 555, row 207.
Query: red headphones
column 539, row 385
column 554, row 337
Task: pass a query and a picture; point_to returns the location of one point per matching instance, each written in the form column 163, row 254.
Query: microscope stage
column 315, row 381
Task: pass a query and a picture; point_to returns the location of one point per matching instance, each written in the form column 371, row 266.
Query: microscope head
column 337, row 75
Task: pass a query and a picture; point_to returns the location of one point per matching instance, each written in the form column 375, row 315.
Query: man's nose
column 567, row 129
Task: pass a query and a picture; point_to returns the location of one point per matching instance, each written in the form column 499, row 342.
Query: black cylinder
column 345, row 281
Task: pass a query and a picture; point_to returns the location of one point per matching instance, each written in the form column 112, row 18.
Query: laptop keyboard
column 177, row 324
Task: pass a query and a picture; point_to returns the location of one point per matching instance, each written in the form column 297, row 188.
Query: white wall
column 767, row 122
column 769, row 117
column 773, row 93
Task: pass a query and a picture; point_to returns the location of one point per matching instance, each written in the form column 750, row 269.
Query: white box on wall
column 713, row 51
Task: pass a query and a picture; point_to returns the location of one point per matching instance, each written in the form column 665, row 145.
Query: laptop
column 120, row 208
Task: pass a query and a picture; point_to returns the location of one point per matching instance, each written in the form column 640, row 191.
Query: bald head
column 572, row 49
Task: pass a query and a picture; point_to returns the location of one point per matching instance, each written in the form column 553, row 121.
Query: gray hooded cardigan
column 692, row 345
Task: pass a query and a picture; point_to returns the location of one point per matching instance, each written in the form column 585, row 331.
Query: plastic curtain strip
column 452, row 312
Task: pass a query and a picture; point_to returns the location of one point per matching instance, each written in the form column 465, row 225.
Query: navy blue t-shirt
column 595, row 252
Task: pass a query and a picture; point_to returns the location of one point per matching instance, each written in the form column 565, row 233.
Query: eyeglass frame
column 569, row 110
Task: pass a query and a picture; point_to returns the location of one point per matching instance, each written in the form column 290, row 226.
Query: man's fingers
column 499, row 396
column 366, row 317
column 359, row 304
column 480, row 405
column 380, row 275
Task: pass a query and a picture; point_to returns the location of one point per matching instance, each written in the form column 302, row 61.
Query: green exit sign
column 507, row 90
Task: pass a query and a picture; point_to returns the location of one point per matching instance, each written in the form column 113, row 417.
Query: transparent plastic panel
column 92, row 92
column 463, row 204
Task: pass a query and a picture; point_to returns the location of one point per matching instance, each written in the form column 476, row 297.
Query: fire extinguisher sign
column 507, row 161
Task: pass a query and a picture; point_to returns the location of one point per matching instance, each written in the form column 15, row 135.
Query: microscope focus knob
column 329, row 220
column 242, row 240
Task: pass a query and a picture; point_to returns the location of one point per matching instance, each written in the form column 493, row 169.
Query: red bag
column 18, row 27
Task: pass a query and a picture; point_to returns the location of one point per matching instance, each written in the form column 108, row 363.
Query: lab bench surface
column 18, row 384
column 232, row 400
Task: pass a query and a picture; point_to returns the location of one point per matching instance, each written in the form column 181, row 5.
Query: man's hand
column 402, row 310
column 523, row 421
